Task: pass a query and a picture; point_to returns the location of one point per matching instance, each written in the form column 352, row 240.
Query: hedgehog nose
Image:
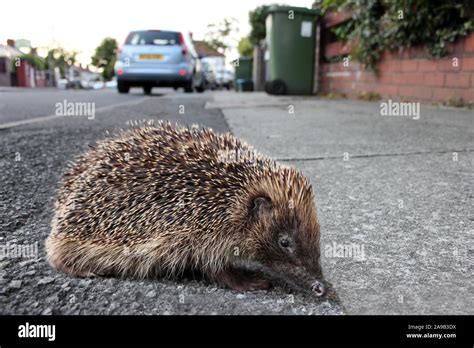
column 318, row 288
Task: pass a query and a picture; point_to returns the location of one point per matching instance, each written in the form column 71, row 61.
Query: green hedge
column 390, row 24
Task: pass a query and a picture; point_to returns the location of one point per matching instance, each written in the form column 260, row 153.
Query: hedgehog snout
column 318, row 288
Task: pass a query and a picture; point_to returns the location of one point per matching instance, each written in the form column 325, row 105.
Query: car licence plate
column 151, row 56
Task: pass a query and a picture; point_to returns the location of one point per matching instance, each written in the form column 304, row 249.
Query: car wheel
column 123, row 87
column 147, row 90
column 188, row 86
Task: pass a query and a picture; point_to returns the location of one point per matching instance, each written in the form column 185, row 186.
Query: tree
column 220, row 36
column 257, row 19
column 257, row 23
column 245, row 47
column 60, row 58
column 105, row 56
column 34, row 60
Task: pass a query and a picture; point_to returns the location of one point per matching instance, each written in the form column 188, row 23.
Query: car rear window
column 152, row 37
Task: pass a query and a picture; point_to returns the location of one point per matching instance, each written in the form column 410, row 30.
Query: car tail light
column 119, row 71
column 182, row 72
column 183, row 44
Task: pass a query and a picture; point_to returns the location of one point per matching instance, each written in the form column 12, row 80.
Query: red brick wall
column 23, row 72
column 407, row 75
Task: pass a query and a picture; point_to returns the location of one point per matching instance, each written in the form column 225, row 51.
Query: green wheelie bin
column 290, row 49
column 243, row 74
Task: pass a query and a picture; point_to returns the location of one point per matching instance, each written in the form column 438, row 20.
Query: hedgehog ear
column 260, row 205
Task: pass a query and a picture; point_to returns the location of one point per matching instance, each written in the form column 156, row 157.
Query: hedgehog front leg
column 242, row 280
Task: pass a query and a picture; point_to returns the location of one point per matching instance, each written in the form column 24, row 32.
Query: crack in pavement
column 295, row 159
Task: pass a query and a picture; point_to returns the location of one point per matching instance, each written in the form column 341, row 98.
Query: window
column 153, row 37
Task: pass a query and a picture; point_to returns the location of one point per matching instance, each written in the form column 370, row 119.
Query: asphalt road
column 26, row 103
column 32, row 159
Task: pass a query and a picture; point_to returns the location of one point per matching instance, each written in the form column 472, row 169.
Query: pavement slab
column 394, row 196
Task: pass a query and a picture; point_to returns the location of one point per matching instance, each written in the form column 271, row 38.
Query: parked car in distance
column 62, row 83
column 112, row 83
column 224, row 78
column 209, row 76
column 155, row 58
column 74, row 84
column 98, row 85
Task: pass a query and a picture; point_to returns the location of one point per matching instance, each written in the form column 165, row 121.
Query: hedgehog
column 161, row 200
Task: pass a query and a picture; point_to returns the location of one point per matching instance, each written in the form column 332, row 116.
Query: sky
column 81, row 25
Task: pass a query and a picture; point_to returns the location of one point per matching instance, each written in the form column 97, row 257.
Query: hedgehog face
column 289, row 241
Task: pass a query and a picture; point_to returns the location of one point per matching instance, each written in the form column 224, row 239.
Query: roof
column 8, row 51
column 205, row 50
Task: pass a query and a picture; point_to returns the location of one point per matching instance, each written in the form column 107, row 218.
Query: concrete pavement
column 394, row 194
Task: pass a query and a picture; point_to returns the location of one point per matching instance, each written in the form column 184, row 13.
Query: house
column 214, row 58
column 7, row 55
column 203, row 49
column 17, row 71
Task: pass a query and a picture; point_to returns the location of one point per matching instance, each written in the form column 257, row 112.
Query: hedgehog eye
column 284, row 242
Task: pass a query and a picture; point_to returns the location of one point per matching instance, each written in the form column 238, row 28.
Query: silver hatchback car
column 158, row 58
